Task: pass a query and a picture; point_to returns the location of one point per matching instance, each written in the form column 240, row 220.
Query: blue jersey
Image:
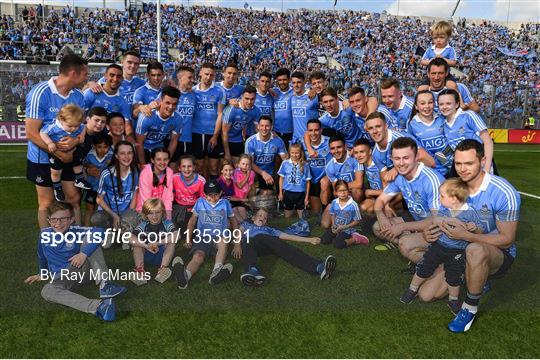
column 157, row 129
column 108, row 187
column 43, row 103
column 421, row 193
column 360, row 123
column 345, row 171
column 465, row 93
column 466, row 214
column 265, row 103
column 294, row 179
column 264, row 152
column 235, row 92
column 344, row 215
column 344, row 123
column 397, row 119
column 54, row 253
column 111, row 103
column 383, row 157
column 240, row 119
column 496, row 200
column 317, row 166
column 206, row 109
column 431, row 136
column 128, row 87
column 283, row 120
column 447, row 52
column 251, row 230
column 186, row 109
column 100, row 163
column 303, row 109
column 466, row 125
column 146, row 94
column 56, row 132
column 212, row 218
column 373, row 176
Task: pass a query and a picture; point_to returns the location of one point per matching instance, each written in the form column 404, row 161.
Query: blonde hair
column 71, row 114
column 441, row 27
column 244, row 156
column 152, row 204
column 302, row 160
column 455, row 187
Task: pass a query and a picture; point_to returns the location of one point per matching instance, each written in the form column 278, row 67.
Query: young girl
column 156, row 181
column 243, row 180
column 98, row 158
column 226, row 184
column 294, row 176
column 188, row 187
column 345, row 216
column 153, row 242
column 117, row 192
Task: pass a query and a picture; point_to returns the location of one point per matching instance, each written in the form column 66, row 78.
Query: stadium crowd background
column 365, row 44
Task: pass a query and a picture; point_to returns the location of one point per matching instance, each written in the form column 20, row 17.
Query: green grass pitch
column 355, row 314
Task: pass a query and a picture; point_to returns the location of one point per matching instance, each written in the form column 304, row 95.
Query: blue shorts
column 208, row 248
column 154, row 259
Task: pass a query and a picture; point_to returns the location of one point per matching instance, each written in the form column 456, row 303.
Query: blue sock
column 320, row 267
column 57, row 184
column 254, row 269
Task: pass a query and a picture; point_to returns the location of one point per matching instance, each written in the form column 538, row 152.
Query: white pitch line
column 518, row 151
column 530, row 195
column 12, row 177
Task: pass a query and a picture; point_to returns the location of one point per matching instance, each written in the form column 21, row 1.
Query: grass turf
column 355, row 314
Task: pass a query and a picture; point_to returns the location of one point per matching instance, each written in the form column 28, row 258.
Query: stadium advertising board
column 499, row 136
column 524, row 136
column 12, row 132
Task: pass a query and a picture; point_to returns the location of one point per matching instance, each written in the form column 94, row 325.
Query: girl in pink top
column 188, row 188
column 243, row 179
column 156, row 181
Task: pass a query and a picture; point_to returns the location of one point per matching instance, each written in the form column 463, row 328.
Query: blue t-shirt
column 157, row 129
column 43, row 103
column 235, row 92
column 317, row 166
column 447, row 52
column 111, row 103
column 100, row 163
column 240, row 119
column 283, row 120
column 421, row 193
column 265, row 103
column 206, row 109
column 128, row 87
column 294, row 179
column 108, row 187
column 254, row 230
column 146, row 94
column 496, row 200
column 360, row 123
column 397, row 119
column 186, row 109
column 56, row 132
column 431, row 136
column 344, row 123
column 264, row 152
column 465, row 93
column 466, row 125
column 345, row 171
column 212, row 218
column 373, row 176
column 303, row 109
column 344, row 215
column 466, row 214
column 383, row 157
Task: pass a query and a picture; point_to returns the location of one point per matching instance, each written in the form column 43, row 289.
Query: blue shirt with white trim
column 235, row 92
column 214, row 218
column 100, row 163
column 317, row 165
column 240, row 119
column 186, row 109
column 265, row 103
column 466, row 125
column 108, row 187
column 254, row 230
column 206, row 109
column 43, row 103
column 128, row 87
column 344, row 215
column 264, row 152
column 465, row 93
column 344, row 123
column 421, row 193
column 111, row 103
column 345, row 171
column 397, row 119
column 431, row 136
column 294, row 179
column 448, row 52
column 283, row 120
column 373, row 176
column 465, row 214
column 146, row 94
column 303, row 109
column 56, row 131
column 383, row 157
column 157, row 129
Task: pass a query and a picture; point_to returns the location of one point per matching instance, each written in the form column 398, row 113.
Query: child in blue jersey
column 153, row 241
column 99, row 157
column 453, row 195
column 208, row 233
column 294, row 182
column 68, row 123
column 345, row 216
column 67, row 252
column 440, row 33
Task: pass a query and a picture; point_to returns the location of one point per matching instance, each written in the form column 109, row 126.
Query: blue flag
column 263, row 54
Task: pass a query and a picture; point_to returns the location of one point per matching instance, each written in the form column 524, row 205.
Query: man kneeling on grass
column 262, row 240
column 70, row 256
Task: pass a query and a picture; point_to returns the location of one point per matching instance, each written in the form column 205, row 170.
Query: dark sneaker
column 408, row 296
column 59, row 194
column 252, row 278
column 329, row 265
column 82, row 183
column 220, row 274
column 455, row 306
column 179, row 271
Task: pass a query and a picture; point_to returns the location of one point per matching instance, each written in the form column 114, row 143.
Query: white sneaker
column 139, row 278
column 163, row 275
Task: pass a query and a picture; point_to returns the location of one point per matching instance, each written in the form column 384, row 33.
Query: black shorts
column 293, row 200
column 236, row 148
column 453, row 260
column 286, row 137
column 182, row 148
column 263, row 185
column 40, row 174
column 201, row 149
column 235, row 204
column 90, row 196
column 315, row 189
column 506, row 265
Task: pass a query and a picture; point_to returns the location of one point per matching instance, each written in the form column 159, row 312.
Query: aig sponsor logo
column 299, row 111
column 281, row 105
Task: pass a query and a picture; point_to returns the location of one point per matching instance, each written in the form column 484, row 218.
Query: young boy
column 451, row 253
column 212, row 217
column 68, row 123
column 63, row 258
column 440, row 34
